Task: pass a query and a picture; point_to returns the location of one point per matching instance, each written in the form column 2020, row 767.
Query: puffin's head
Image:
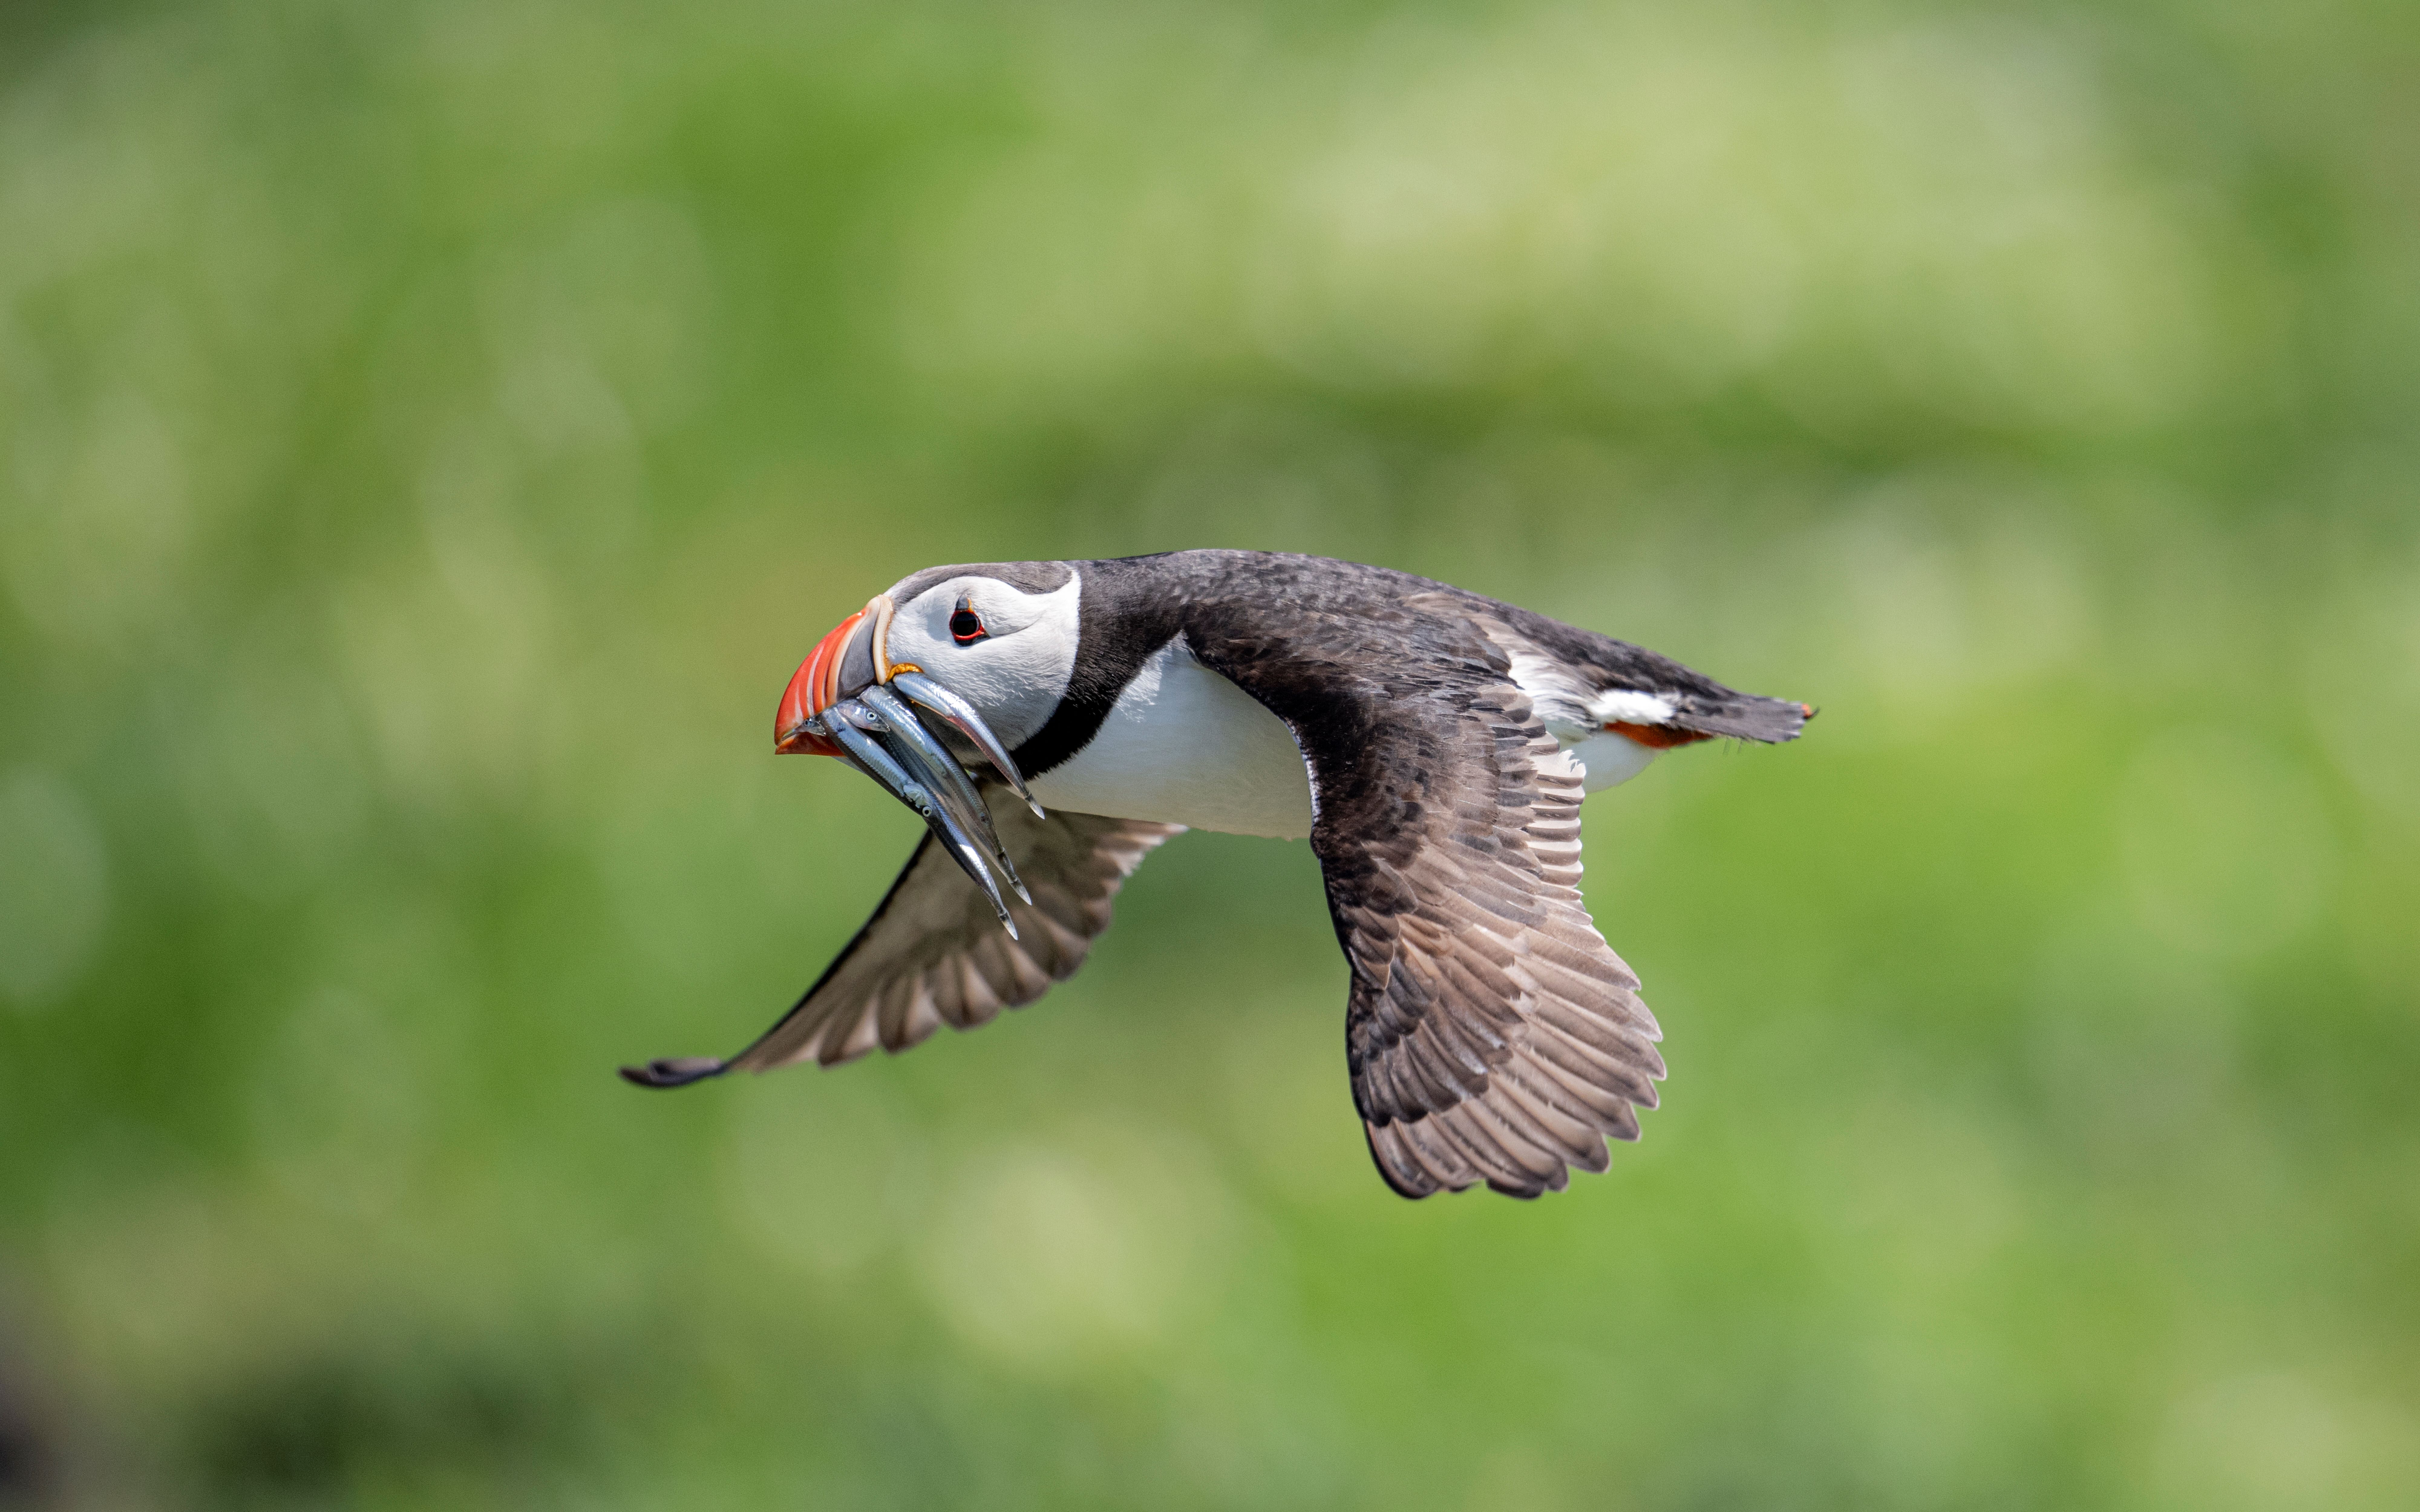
column 999, row 636
column 987, row 651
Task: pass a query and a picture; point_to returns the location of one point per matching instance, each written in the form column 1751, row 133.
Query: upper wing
column 934, row 953
column 1492, row 1034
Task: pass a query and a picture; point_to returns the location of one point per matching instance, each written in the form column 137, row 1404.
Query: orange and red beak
column 853, row 655
column 852, row 666
column 814, row 687
column 849, row 698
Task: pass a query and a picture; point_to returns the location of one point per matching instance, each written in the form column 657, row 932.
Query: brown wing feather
column 934, row 953
column 1492, row 1036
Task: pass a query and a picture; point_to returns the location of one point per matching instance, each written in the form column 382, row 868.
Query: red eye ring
column 967, row 626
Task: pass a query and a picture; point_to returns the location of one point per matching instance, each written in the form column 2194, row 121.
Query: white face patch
column 1017, row 673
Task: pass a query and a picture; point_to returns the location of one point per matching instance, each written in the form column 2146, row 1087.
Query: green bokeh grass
column 432, row 432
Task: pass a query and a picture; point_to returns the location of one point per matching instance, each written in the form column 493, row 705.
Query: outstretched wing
column 934, row 953
column 1492, row 1034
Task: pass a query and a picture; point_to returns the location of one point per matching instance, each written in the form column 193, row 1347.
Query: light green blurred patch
column 2363, row 685
column 1667, row 204
column 828, row 1174
column 2228, row 849
column 2270, row 1438
column 54, row 887
column 1051, row 1259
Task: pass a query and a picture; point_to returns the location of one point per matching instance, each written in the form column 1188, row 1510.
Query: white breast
column 1184, row 746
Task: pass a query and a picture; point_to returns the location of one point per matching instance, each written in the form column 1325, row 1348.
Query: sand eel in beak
column 1053, row 722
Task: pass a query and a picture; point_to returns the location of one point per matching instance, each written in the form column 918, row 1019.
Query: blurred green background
column 431, row 431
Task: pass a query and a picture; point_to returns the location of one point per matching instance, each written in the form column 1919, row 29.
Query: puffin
column 1055, row 722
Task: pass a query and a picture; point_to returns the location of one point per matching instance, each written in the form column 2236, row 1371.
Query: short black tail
column 1742, row 717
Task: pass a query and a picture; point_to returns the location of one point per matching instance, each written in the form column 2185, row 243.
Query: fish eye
column 966, row 626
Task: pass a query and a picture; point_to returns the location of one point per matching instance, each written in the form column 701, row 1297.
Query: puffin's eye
column 967, row 626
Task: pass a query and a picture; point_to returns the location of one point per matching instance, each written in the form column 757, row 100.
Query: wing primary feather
column 674, row 1071
column 932, row 954
column 1492, row 1034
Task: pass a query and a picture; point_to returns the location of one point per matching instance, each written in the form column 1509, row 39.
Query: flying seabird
column 1056, row 721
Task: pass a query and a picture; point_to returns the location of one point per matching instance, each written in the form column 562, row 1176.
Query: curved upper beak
column 843, row 663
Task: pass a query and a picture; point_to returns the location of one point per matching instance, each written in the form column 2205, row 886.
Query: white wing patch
column 1577, row 717
column 1559, row 699
column 1629, row 706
